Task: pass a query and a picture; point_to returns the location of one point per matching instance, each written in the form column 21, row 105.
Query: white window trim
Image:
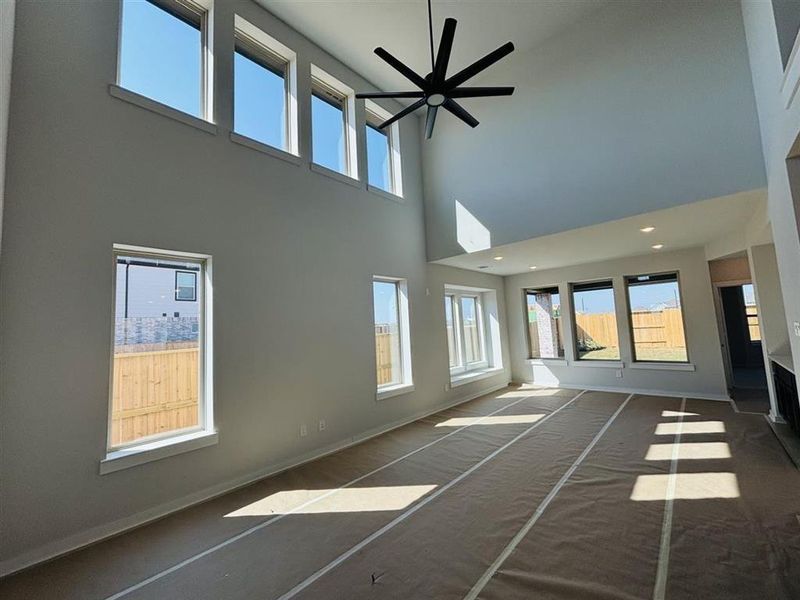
column 204, row 9
column 379, row 114
column 288, row 56
column 406, row 383
column 577, row 361
column 489, row 332
column 320, row 77
column 183, row 440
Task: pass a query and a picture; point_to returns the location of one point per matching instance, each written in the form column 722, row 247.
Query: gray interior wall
column 642, row 106
column 294, row 253
column 702, row 337
column 780, row 128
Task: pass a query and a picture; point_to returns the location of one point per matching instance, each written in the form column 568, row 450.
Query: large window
column 383, row 151
column 163, row 53
column 656, row 318
column 161, row 347
column 332, row 135
column 596, row 336
column 468, row 337
column 545, row 333
column 392, row 339
column 263, row 88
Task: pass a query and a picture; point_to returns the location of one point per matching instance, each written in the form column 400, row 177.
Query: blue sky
column 385, row 299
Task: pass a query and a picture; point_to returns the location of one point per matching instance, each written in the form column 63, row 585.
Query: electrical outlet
column 619, row 373
column 797, row 328
column 303, row 430
column 322, row 424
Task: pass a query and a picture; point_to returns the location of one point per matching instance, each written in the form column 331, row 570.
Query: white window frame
column 324, row 83
column 406, row 383
column 274, row 52
column 202, row 9
column 455, row 311
column 458, row 323
column 174, row 442
column 375, row 115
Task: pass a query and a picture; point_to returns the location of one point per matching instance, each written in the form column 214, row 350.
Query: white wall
column 294, row 254
column 780, row 127
column 641, row 106
column 702, row 337
column 6, row 50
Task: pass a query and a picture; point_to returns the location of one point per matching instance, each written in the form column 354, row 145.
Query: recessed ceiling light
column 648, row 229
column 532, row 267
column 658, row 246
column 498, row 258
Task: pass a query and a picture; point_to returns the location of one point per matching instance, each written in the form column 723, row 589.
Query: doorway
column 741, row 332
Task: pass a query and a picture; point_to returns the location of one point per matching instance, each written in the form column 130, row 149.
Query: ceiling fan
column 436, row 89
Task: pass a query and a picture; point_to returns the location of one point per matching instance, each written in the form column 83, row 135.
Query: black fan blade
column 408, row 73
column 363, row 95
column 445, row 48
column 479, row 65
column 406, row 111
column 455, row 108
column 430, row 121
column 480, row 92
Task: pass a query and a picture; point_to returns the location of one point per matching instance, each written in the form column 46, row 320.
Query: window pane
column 657, row 319
column 596, row 322
column 161, row 56
column 751, row 311
column 185, row 286
column 387, row 333
column 259, row 98
column 452, row 345
column 472, row 335
column 327, row 143
column 545, row 335
column 378, row 159
column 156, row 350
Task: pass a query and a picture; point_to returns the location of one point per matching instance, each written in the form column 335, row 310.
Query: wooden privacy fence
column 383, row 354
column 651, row 329
column 154, row 392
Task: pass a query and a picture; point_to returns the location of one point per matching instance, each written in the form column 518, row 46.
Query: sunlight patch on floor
column 689, row 451
column 493, row 420
column 688, row 486
column 678, row 413
column 690, row 427
column 347, row 500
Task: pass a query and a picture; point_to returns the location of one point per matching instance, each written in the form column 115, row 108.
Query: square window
column 545, row 332
column 162, row 53
column 264, row 97
column 595, row 319
column 392, row 340
column 159, row 388
column 656, row 318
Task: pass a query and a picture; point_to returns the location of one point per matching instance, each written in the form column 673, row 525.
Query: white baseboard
column 646, row 392
column 102, row 532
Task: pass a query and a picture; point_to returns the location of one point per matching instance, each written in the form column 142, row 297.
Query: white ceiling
column 351, row 30
column 684, row 226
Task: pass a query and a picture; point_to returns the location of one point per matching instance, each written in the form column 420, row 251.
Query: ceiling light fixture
column 532, row 267
column 658, row 246
column 498, row 258
column 648, row 229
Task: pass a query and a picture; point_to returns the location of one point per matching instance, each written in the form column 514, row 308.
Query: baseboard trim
column 100, row 533
column 641, row 391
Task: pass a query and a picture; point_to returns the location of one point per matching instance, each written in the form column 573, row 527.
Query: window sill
column 603, row 364
column 336, row 175
column 547, row 361
column 384, row 194
column 248, row 142
column 395, row 390
column 662, row 366
column 477, row 375
column 125, row 458
column 161, row 109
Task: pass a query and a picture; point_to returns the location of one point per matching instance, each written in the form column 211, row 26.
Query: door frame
column 723, row 330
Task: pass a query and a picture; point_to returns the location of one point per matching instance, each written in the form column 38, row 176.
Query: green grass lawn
column 643, row 354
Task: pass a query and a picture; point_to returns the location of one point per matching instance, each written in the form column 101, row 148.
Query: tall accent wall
column 639, row 107
column 294, row 254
